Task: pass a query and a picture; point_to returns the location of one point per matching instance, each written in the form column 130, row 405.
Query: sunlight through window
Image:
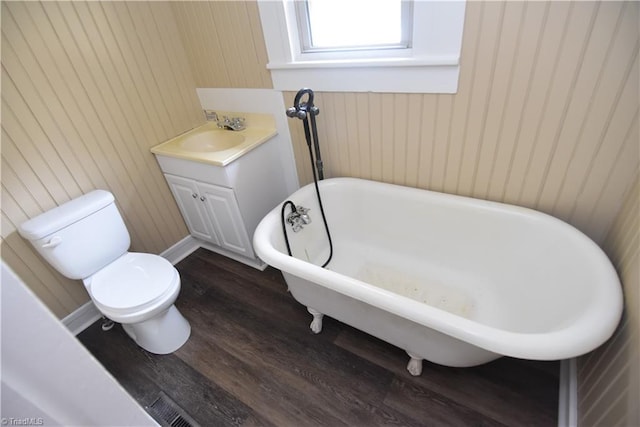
column 340, row 24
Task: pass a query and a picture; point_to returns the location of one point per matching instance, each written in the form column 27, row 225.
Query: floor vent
column 168, row 414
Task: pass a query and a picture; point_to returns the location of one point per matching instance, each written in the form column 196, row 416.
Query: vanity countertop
column 210, row 144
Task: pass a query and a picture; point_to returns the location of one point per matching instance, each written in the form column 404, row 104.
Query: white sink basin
column 211, row 141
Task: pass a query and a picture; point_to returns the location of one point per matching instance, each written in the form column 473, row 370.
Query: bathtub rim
column 562, row 343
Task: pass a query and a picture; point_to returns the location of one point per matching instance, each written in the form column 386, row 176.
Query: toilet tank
column 81, row 236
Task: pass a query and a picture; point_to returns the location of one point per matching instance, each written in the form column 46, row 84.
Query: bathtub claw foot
column 316, row 323
column 415, row 365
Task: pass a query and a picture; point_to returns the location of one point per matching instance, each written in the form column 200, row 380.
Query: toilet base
column 162, row 334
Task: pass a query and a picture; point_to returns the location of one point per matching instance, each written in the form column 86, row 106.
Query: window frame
column 430, row 65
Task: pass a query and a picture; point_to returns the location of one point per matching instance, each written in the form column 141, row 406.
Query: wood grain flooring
column 252, row 361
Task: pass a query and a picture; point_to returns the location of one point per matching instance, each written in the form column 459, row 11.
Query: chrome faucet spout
column 233, row 123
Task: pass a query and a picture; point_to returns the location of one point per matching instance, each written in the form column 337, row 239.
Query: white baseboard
column 181, row 250
column 257, row 264
column 190, row 244
column 568, row 394
column 81, row 318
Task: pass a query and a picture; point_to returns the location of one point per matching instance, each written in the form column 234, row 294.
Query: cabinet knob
column 194, row 195
column 202, row 198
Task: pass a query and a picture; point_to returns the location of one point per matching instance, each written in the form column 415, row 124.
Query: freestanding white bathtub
column 453, row 280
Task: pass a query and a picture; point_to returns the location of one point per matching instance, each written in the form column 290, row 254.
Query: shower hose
column 307, row 112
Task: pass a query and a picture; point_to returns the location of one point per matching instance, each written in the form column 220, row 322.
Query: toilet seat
column 133, row 283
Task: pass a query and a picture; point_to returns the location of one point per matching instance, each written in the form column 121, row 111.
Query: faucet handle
column 224, row 122
column 302, row 212
column 237, row 122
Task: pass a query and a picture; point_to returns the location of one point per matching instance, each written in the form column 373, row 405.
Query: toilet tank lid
column 64, row 215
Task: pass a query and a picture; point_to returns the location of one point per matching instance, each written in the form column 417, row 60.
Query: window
column 414, row 45
column 335, row 25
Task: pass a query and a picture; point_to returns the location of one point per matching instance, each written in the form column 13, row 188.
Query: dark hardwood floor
column 252, row 360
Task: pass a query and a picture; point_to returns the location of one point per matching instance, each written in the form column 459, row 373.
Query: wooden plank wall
column 609, row 389
column 87, row 89
column 224, row 43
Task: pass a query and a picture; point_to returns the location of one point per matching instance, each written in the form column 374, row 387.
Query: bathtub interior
column 507, row 268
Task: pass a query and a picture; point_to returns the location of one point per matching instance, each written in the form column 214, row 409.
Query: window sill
column 378, row 62
column 354, row 76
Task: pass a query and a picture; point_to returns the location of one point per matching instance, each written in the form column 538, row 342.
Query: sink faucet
column 233, row 123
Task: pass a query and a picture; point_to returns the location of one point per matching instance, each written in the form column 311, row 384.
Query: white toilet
column 86, row 239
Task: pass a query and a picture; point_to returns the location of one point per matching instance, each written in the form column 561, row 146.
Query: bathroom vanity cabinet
column 211, row 213
column 223, row 202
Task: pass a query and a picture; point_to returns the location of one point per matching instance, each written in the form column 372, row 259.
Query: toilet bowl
column 138, row 290
column 86, row 239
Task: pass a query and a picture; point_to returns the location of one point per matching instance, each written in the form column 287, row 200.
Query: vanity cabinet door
column 225, row 216
column 194, row 212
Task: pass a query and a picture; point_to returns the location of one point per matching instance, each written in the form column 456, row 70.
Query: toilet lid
column 133, row 280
